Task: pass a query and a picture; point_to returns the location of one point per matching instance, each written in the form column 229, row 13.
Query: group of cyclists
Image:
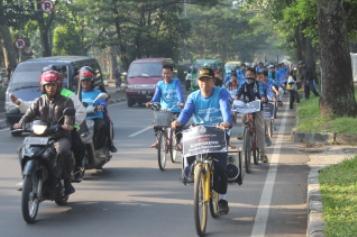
column 210, row 105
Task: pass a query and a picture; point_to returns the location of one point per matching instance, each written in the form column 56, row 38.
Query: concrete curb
column 326, row 138
column 315, row 222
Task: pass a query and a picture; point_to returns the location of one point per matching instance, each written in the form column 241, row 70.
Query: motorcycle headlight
column 39, row 129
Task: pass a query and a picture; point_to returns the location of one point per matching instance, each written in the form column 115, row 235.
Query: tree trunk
column 113, row 63
column 337, row 85
column 9, row 52
column 7, row 46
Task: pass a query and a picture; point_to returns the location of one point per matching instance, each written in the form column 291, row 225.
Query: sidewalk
column 321, row 157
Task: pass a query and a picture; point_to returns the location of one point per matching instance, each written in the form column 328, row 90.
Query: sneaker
column 178, row 147
column 268, row 141
column 264, row 158
column 113, row 149
column 68, row 188
column 154, row 145
column 19, row 185
column 223, row 207
column 78, row 174
column 187, row 175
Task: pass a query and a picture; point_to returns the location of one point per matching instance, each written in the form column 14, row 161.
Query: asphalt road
column 131, row 197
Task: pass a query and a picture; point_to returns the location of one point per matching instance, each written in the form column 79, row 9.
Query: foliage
column 65, row 41
column 338, row 188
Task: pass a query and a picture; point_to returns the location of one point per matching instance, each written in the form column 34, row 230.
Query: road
column 132, row 198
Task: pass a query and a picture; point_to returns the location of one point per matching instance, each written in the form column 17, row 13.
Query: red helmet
column 49, row 77
column 86, row 73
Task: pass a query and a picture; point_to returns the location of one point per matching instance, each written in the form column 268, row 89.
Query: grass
column 338, row 185
column 310, row 120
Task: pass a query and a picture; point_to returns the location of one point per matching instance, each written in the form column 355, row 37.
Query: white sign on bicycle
column 246, row 108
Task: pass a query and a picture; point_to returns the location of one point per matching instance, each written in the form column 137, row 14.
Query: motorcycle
column 95, row 158
column 38, row 163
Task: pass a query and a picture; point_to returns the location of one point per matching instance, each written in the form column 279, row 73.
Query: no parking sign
column 47, row 6
column 20, row 43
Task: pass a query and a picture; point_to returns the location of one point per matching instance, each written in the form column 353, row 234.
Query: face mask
column 250, row 80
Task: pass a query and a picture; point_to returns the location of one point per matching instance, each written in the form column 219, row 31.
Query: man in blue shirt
column 168, row 93
column 209, row 106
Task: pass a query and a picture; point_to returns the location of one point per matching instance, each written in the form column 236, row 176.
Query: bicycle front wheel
column 172, row 146
column 161, row 150
column 247, row 149
column 199, row 205
column 254, row 148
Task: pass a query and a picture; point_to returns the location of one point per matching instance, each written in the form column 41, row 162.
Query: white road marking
column 262, row 215
column 140, row 131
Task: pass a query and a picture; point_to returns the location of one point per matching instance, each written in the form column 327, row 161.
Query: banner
column 246, row 108
column 203, row 140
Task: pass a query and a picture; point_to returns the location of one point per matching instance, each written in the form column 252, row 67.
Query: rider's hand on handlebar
column 148, row 104
column 17, row 126
column 224, row 125
column 181, row 105
column 175, row 124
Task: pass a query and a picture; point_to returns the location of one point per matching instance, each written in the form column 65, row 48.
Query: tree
column 337, row 86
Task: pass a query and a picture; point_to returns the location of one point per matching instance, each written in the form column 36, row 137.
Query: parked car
column 25, row 81
column 143, row 74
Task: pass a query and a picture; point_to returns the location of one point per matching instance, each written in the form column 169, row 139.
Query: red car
column 143, row 74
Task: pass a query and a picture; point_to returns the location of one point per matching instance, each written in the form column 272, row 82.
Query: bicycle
column 201, row 142
column 164, row 135
column 250, row 147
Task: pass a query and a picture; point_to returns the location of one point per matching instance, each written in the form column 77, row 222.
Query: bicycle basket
column 203, row 140
column 162, row 118
column 268, row 111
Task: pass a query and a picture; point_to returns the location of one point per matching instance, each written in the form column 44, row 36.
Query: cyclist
column 209, row 106
column 267, row 91
column 248, row 92
column 169, row 94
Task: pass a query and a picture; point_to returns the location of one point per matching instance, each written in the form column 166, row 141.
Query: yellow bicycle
column 201, row 142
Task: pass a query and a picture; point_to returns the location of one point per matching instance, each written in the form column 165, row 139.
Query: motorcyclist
column 89, row 92
column 77, row 145
column 169, row 94
column 209, row 106
column 49, row 107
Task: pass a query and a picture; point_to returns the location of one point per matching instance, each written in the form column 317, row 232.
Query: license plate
column 36, row 140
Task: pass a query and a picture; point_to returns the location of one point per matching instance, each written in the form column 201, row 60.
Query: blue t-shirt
column 169, row 95
column 208, row 111
column 266, row 89
column 88, row 97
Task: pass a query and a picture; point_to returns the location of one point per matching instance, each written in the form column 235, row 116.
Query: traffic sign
column 20, row 43
column 47, row 6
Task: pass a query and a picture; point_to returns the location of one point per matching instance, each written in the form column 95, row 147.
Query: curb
column 326, row 138
column 315, row 222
